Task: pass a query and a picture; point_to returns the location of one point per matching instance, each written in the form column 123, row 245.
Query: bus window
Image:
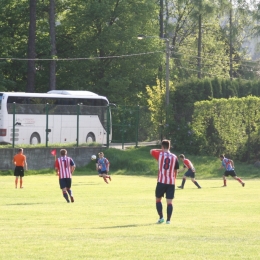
column 1, row 96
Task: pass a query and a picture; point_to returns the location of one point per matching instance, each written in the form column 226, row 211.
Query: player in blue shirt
column 102, row 166
column 229, row 170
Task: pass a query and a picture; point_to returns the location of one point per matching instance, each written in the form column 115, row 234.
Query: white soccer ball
column 93, row 157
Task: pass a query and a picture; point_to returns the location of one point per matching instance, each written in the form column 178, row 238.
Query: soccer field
column 117, row 220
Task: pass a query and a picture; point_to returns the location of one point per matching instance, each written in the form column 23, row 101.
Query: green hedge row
column 229, row 126
column 217, row 116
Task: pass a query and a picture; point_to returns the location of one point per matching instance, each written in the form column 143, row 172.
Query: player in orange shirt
column 19, row 161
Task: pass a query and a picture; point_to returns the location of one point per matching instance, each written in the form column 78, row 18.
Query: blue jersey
column 227, row 164
column 103, row 164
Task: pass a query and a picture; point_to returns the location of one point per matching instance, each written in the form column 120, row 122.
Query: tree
column 53, row 46
column 31, row 71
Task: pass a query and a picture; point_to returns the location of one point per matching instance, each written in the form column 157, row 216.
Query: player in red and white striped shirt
column 64, row 167
column 167, row 172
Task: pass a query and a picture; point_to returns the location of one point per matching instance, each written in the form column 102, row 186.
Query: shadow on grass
column 127, row 226
column 22, row 204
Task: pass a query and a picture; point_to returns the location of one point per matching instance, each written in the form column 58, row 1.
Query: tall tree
column 31, row 48
column 53, row 46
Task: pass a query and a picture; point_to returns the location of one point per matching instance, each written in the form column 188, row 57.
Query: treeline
column 217, row 116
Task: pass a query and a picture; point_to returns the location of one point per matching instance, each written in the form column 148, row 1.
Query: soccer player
column 102, row 166
column 187, row 164
column 229, row 170
column 64, row 167
column 167, row 172
column 19, row 161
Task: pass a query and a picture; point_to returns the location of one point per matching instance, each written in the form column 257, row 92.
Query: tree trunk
column 52, row 83
column 31, row 71
column 230, row 41
column 199, row 48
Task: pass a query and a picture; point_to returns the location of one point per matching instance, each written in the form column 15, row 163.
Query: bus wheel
column 90, row 138
column 35, row 139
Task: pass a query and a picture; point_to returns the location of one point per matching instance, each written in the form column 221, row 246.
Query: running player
column 187, row 164
column 229, row 170
column 64, row 167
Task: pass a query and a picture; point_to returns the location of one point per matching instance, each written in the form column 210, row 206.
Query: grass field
column 117, row 221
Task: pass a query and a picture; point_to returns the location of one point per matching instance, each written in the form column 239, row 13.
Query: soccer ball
column 93, row 157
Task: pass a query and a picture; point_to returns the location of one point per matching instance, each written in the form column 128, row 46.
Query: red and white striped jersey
column 63, row 164
column 167, row 164
column 188, row 164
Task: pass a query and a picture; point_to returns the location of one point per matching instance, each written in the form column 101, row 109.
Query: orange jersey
column 19, row 159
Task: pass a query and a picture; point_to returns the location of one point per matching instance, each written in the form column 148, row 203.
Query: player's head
column 182, row 156
column 221, row 157
column 63, row 152
column 20, row 150
column 166, row 144
column 101, row 154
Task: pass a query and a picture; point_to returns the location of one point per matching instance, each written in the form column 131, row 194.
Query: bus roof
column 73, row 92
column 57, row 94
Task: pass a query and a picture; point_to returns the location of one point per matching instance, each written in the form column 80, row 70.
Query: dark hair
column 222, row 156
column 182, row 156
column 63, row 152
column 166, row 144
column 20, row 150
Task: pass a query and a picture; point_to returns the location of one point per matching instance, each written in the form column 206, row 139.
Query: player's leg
column 169, row 197
column 159, row 192
column 21, row 182
column 69, row 191
column 239, row 180
column 16, row 181
column 224, row 180
column 21, row 177
column 183, row 182
column 195, row 182
column 16, row 175
column 104, row 175
column 64, row 189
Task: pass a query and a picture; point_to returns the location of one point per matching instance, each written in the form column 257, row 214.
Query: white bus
column 66, row 111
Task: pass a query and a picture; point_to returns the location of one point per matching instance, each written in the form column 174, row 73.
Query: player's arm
column 56, row 167
column 25, row 164
column 107, row 165
column 176, row 168
column 57, row 170
column 232, row 163
column 72, row 166
column 155, row 153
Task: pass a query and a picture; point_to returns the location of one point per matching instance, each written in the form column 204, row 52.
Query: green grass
column 138, row 161
column 117, row 221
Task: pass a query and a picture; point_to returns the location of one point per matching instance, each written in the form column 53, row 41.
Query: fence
column 49, row 123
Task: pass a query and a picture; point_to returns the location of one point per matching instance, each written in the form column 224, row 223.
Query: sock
column 196, row 183
column 16, row 181
column 225, row 182
column 159, row 208
column 239, row 180
column 21, row 182
column 65, row 195
column 183, row 182
column 169, row 211
column 70, row 192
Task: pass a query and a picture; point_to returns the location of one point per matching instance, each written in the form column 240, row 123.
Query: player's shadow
column 127, row 226
column 22, row 204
